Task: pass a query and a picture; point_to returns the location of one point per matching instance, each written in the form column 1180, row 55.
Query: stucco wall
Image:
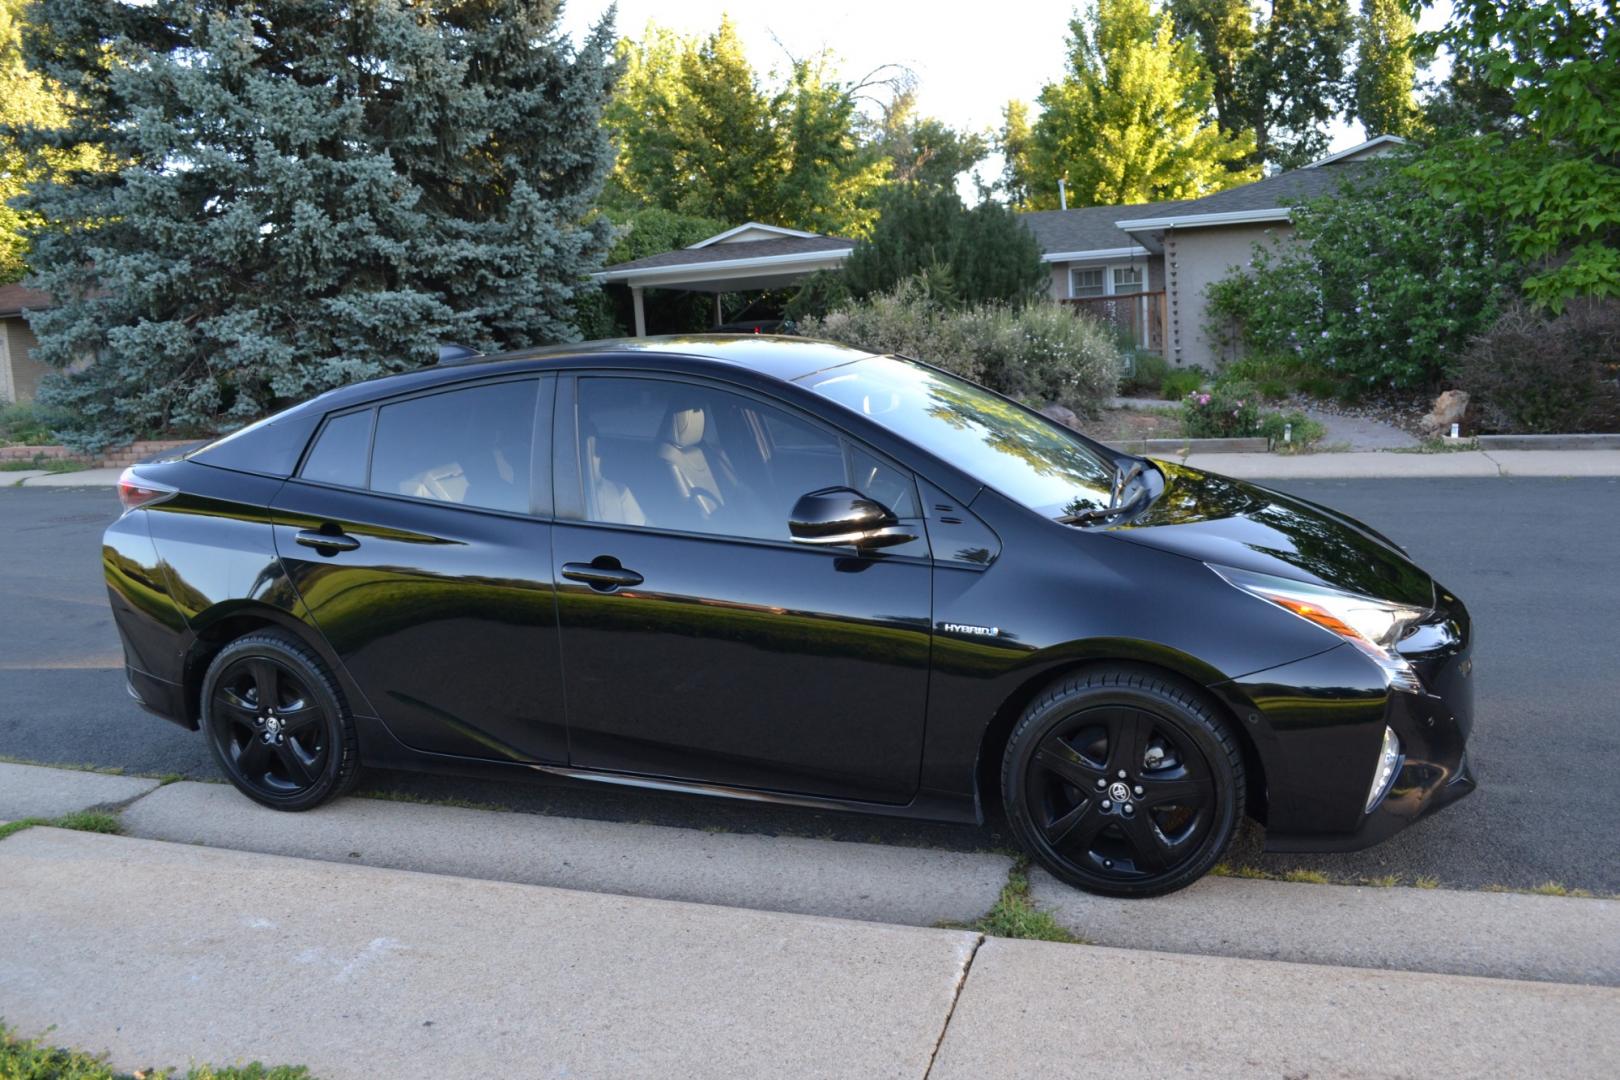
column 19, row 371
column 1195, row 259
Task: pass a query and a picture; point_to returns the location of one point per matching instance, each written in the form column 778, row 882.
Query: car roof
column 776, row 357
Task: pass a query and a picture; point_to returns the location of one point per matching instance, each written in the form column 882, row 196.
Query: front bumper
column 1319, row 723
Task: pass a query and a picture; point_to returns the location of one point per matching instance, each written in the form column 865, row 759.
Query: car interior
column 681, row 457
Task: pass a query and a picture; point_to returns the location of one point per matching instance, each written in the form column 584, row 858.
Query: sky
column 966, row 69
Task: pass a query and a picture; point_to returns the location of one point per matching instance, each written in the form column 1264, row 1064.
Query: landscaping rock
column 1448, row 409
column 1062, row 414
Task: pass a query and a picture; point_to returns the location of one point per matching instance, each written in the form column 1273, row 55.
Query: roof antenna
column 451, row 354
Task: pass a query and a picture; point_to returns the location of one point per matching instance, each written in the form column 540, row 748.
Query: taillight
column 135, row 490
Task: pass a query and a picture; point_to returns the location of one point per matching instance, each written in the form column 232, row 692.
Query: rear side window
column 472, row 447
column 339, row 456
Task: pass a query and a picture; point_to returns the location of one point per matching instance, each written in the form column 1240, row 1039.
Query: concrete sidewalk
column 157, row 952
column 1446, row 931
column 914, row 886
column 36, row 791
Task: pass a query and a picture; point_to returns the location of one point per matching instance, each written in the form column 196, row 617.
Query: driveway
column 1531, row 557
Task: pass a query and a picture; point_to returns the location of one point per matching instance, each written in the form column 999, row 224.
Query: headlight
column 1373, row 626
column 1389, row 761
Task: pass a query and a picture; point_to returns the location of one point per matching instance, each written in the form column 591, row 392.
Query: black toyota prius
column 785, row 570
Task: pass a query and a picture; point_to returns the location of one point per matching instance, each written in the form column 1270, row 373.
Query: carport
column 750, row 257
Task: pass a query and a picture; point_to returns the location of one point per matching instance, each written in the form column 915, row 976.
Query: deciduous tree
column 1278, row 71
column 28, row 100
column 1130, row 120
column 1552, row 173
column 699, row 132
column 1386, row 69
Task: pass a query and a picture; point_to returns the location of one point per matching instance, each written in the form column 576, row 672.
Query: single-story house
column 1146, row 267
column 749, row 257
column 19, row 371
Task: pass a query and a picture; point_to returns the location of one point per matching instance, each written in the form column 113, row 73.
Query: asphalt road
column 1534, row 559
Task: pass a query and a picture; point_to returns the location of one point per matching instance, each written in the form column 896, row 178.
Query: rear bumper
column 157, row 696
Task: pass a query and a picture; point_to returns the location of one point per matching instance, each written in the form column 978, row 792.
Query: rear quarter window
column 339, row 454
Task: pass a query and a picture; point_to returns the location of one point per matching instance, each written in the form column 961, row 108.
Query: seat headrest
column 686, row 426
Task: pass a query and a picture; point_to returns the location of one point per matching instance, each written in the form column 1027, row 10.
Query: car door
column 416, row 535
column 698, row 641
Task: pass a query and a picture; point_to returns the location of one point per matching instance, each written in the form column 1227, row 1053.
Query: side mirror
column 843, row 517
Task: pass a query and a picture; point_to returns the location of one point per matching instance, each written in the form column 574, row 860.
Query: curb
column 1548, row 442
column 1183, row 447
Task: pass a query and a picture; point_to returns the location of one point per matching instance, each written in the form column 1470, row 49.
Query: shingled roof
column 1088, row 228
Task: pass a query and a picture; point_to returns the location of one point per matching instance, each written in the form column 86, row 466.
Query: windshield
column 1026, row 457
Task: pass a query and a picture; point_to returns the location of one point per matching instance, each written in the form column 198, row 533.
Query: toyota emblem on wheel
column 1119, row 793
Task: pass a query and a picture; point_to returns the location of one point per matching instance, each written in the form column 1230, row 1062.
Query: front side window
column 1026, row 457
column 1127, row 279
column 694, row 458
column 472, row 447
column 1086, row 283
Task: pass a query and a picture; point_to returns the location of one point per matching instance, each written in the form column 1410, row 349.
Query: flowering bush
column 1041, row 354
column 1228, row 410
column 1382, row 286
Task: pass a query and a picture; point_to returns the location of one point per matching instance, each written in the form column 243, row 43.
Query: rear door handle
column 326, row 542
column 602, row 573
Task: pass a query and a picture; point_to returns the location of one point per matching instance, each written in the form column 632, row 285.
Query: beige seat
column 614, row 503
column 702, row 476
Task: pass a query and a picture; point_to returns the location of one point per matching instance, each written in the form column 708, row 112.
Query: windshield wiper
column 1115, row 508
column 1122, row 480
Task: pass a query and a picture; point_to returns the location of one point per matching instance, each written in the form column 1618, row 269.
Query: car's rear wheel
column 277, row 723
column 1124, row 782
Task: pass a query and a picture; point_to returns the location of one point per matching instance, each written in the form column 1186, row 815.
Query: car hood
column 1220, row 520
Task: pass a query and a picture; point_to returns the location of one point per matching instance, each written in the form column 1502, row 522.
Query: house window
column 1087, row 282
column 1127, row 279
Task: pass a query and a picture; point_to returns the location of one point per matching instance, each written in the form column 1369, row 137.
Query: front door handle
column 326, row 542
column 603, row 573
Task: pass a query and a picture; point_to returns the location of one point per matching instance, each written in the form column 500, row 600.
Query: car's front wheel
column 277, row 724
column 1123, row 781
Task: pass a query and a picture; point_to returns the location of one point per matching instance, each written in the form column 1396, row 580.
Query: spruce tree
column 309, row 193
column 980, row 256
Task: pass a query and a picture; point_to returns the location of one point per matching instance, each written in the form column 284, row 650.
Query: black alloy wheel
column 277, row 724
column 1123, row 782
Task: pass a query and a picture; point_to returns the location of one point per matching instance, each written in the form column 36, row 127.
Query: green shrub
column 1179, row 382
column 1530, row 373
column 1145, row 376
column 1301, row 431
column 1227, row 410
column 29, row 425
column 1040, row 354
column 1382, row 288
column 1276, row 378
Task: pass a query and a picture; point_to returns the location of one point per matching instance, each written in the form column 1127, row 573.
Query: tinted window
column 697, row 459
column 339, row 456
column 1026, row 457
column 470, row 447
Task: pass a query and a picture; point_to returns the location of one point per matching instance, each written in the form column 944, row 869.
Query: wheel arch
column 1193, row 674
column 224, row 623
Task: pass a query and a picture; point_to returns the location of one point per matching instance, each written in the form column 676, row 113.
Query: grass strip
column 31, row 1059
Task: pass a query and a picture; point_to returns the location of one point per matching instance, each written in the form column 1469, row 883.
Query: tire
column 277, row 724
column 1165, row 822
